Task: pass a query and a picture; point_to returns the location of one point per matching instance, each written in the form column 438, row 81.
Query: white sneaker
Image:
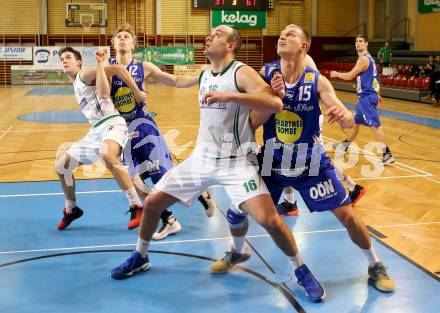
column 171, row 227
column 208, row 203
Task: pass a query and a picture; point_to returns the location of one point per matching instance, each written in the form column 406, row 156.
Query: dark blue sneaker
column 135, row 263
column 314, row 290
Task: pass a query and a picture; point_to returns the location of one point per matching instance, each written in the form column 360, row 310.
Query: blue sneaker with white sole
column 314, row 290
column 135, row 263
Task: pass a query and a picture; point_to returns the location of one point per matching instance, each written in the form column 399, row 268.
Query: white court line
column 388, row 177
column 56, row 193
column 392, row 164
column 425, row 175
column 85, row 128
column 5, row 132
column 197, row 240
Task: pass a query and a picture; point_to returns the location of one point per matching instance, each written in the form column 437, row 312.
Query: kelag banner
column 238, row 19
column 166, row 55
column 429, row 6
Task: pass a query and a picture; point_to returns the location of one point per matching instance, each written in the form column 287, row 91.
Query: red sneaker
column 286, row 208
column 135, row 216
column 69, row 217
column 357, row 193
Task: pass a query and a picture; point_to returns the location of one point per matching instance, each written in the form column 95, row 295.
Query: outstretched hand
column 379, row 101
column 277, row 84
column 141, row 96
column 101, row 55
column 336, row 114
column 215, row 96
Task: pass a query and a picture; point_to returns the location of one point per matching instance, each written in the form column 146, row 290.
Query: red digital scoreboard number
column 241, row 5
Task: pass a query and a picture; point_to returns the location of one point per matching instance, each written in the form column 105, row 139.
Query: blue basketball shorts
column 320, row 193
column 366, row 111
column 147, row 153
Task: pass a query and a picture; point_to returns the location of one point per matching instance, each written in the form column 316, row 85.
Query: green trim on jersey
column 235, row 127
column 104, row 120
column 227, row 67
column 79, row 76
column 235, row 79
column 200, row 76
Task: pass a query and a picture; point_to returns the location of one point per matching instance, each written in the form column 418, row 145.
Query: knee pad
column 235, row 220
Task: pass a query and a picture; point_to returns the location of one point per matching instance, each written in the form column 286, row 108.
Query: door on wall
column 389, row 19
column 380, row 19
column 397, row 22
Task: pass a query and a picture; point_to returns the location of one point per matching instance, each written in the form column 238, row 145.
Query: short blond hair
column 125, row 28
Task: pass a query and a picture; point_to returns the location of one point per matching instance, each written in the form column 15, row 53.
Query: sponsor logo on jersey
column 309, row 78
column 290, row 172
column 290, row 95
column 124, row 100
column 288, row 126
column 323, row 190
column 303, row 107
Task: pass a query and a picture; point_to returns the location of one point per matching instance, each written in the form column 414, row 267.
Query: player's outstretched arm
column 120, row 71
column 102, row 84
column 256, row 94
column 360, row 66
column 164, row 78
column 336, row 111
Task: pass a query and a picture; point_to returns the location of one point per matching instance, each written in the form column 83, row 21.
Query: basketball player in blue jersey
column 368, row 98
column 106, row 138
column 293, row 154
column 289, row 206
column 147, row 154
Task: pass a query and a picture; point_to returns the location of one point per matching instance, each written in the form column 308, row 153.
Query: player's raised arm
column 120, row 71
column 336, row 112
column 256, row 95
column 258, row 118
column 164, row 78
column 102, row 84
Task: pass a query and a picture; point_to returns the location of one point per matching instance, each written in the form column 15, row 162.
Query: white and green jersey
column 93, row 109
column 224, row 129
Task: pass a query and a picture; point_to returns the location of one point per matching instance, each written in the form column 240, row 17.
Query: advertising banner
column 48, row 56
column 166, row 55
column 238, row 19
column 15, row 53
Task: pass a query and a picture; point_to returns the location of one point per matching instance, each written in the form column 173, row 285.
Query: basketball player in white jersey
column 224, row 156
column 146, row 145
column 107, row 136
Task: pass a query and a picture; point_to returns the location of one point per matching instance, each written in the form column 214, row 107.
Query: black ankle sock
column 165, row 215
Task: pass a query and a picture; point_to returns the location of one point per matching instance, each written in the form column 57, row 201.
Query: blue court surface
column 45, row 270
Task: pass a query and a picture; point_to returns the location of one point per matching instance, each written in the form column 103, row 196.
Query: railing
column 362, row 26
column 404, row 20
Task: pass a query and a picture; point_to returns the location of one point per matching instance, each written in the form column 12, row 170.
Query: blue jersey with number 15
column 296, row 129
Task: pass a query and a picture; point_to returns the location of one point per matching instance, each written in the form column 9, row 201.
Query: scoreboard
column 242, row 5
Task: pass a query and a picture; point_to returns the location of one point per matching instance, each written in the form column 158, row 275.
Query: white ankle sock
column 69, row 206
column 132, row 196
column 290, row 197
column 142, row 247
column 239, row 243
column 297, row 260
column 350, row 182
column 371, row 256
